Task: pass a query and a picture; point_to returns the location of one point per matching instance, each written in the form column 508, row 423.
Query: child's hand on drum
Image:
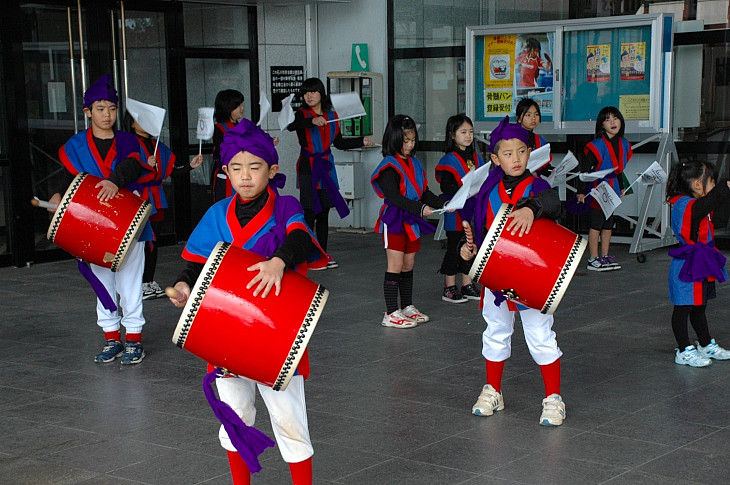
column 522, row 220
column 269, row 274
column 179, row 294
column 108, row 190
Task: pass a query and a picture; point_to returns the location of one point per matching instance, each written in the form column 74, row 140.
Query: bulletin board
column 572, row 69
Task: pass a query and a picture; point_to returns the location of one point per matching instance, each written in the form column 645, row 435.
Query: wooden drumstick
column 35, row 201
column 174, row 294
column 469, row 235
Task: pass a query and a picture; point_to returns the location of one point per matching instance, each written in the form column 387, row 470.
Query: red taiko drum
column 98, row 232
column 259, row 338
column 533, row 270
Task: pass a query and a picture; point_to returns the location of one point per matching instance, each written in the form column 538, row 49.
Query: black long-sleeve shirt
column 293, row 251
column 389, row 182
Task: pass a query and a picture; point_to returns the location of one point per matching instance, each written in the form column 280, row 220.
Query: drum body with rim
column 98, row 232
column 260, row 338
column 533, row 270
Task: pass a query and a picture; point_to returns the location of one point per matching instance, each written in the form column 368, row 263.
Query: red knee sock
column 134, row 337
column 301, row 473
column 113, row 335
column 239, row 470
column 494, row 374
column 551, row 377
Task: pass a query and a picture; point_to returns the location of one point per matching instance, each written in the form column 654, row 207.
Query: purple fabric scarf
column 395, row 218
column 249, row 441
column 700, row 262
column 101, row 293
column 320, row 173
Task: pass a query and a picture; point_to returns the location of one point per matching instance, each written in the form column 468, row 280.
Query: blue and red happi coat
column 79, row 154
column 608, row 158
column 318, row 154
column 694, row 261
column 150, row 185
column 490, row 200
column 413, row 184
column 455, row 164
column 263, row 235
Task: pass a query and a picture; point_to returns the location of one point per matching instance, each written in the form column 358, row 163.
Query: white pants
column 497, row 337
column 127, row 283
column 287, row 410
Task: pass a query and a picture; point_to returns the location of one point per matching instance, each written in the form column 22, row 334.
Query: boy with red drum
column 113, row 155
column 511, row 183
column 258, row 219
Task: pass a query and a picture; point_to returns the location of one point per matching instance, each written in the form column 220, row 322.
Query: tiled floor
column 385, row 406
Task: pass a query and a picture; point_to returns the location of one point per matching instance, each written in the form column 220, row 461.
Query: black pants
column 698, row 319
column 319, row 224
column 452, row 262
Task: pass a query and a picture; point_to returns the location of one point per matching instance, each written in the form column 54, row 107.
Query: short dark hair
column 453, row 124
column 603, row 116
column 225, row 102
column 524, row 105
column 312, row 85
column 393, row 136
column 533, row 43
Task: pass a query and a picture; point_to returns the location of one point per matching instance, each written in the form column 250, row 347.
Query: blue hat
column 102, row 89
column 505, row 131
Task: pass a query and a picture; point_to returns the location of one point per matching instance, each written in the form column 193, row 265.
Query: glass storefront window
column 430, row 90
column 215, row 26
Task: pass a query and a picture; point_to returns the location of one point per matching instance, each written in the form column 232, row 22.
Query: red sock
column 301, row 473
column 113, row 335
column 134, row 337
column 551, row 377
column 239, row 470
column 494, row 374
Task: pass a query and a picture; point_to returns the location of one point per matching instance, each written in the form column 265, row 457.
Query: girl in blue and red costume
column 511, row 183
column 608, row 150
column 461, row 158
column 155, row 154
column 529, row 116
column 696, row 263
column 316, row 175
column 401, row 181
column 114, row 156
column 258, row 219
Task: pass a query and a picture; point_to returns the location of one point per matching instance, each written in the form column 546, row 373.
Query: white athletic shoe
column 489, row 401
column 553, row 410
column 417, row 316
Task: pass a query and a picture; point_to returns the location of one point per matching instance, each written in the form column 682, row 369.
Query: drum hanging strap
column 249, row 441
column 97, row 286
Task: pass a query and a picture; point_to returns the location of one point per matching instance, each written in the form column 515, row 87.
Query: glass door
column 54, row 83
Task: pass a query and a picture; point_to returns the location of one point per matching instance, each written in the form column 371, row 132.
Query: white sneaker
column 553, row 410
column 689, row 356
column 713, row 351
column 159, row 292
column 412, row 312
column 398, row 320
column 148, row 292
column 489, row 401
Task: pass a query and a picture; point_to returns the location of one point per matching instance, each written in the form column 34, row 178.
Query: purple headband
column 101, row 90
column 505, row 131
column 247, row 137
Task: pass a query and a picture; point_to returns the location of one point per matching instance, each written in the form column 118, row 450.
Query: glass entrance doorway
column 65, row 50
